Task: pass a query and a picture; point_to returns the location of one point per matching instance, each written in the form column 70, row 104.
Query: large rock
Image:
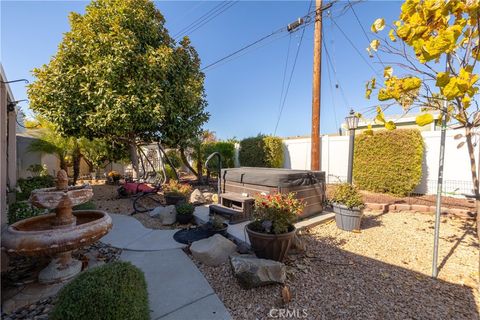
column 254, row 272
column 213, row 251
column 197, row 197
column 208, row 196
column 167, row 215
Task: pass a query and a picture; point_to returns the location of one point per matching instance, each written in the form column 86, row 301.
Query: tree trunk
column 168, row 161
column 473, row 168
column 185, row 162
column 77, row 157
column 134, row 159
column 199, row 164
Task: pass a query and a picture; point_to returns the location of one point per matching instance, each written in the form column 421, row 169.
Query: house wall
column 457, row 176
column 3, row 154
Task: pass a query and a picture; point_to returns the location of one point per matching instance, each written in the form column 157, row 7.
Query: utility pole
column 317, row 74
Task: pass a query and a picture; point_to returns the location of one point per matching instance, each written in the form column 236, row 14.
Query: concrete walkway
column 176, row 288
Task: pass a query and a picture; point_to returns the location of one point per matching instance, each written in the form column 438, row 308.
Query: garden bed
column 381, row 272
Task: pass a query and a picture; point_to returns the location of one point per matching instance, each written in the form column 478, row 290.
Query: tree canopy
column 118, row 75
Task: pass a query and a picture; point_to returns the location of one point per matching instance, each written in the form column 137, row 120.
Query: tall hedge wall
column 226, row 150
column 388, row 161
column 261, row 151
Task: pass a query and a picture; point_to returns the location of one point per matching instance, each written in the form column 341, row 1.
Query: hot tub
column 308, row 185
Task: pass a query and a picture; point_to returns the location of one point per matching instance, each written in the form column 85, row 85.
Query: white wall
column 457, row 177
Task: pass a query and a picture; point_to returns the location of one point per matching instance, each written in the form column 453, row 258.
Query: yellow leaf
column 391, row 35
column 368, row 93
column 387, row 72
column 390, row 125
column 378, row 25
column 442, row 79
column 424, row 119
column 375, row 44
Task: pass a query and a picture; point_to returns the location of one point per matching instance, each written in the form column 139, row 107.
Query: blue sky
column 244, row 93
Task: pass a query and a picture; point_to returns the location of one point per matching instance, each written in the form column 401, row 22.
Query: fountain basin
column 38, row 236
column 52, row 198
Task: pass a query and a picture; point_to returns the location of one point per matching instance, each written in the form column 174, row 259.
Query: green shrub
column 22, row 210
column 185, row 208
column 261, row 151
column 174, row 158
column 113, row 291
column 389, row 161
column 28, row 185
column 89, row 205
column 169, row 172
column 347, row 195
column 226, row 150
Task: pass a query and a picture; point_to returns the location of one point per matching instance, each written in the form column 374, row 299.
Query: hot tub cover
column 273, row 177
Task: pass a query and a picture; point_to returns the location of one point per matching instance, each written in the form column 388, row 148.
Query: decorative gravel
column 381, row 272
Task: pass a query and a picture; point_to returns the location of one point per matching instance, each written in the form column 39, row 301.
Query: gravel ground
column 381, row 272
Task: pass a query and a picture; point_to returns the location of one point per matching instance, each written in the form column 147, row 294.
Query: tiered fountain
column 58, row 234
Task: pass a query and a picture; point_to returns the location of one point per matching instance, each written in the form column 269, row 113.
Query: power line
column 285, row 72
column 290, row 79
column 337, row 82
column 205, row 18
column 355, row 48
column 364, row 32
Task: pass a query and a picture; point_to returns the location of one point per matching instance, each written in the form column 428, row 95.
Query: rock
column 253, row 272
column 197, row 197
column 208, row 196
column 243, row 248
column 168, row 215
column 213, row 251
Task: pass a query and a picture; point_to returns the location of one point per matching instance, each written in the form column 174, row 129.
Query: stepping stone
column 125, row 230
column 155, row 240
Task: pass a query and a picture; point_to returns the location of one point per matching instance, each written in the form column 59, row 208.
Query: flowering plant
column 174, row 187
column 114, row 175
column 276, row 213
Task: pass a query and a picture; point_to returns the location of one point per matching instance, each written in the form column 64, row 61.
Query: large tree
column 118, row 75
column 434, row 49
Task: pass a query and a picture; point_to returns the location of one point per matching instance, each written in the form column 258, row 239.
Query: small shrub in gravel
column 347, row 195
column 114, row 291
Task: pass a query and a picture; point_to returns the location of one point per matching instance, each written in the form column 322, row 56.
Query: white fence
column 457, row 177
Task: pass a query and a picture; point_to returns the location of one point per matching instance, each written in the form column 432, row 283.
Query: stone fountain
column 57, row 234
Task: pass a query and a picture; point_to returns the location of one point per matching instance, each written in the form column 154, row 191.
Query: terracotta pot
column 174, row 199
column 184, row 218
column 270, row 246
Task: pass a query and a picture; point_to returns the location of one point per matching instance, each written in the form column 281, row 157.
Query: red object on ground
column 135, row 187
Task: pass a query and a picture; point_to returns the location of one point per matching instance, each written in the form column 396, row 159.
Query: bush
column 347, row 195
column 176, row 188
column 28, row 185
column 389, row 161
column 22, row 210
column 226, row 150
column 114, row 291
column 185, row 208
column 174, row 158
column 261, row 151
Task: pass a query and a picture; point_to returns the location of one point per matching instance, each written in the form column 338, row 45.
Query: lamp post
column 352, row 124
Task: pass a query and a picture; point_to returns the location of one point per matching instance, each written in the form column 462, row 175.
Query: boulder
column 213, row 251
column 168, row 215
column 253, row 272
column 197, row 197
column 208, row 196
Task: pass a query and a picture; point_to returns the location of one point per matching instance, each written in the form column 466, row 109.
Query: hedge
column 388, row 161
column 226, row 150
column 261, row 151
column 113, row 291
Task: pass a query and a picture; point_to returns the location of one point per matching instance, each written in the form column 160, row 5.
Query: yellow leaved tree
column 434, row 46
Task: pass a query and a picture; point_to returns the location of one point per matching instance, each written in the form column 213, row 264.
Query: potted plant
column 216, row 225
column 348, row 206
column 184, row 212
column 176, row 192
column 272, row 230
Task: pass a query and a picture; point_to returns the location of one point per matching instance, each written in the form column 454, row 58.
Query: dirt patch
column 381, row 272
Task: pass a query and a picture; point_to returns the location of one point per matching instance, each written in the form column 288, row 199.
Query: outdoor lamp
column 352, row 124
column 352, row 120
